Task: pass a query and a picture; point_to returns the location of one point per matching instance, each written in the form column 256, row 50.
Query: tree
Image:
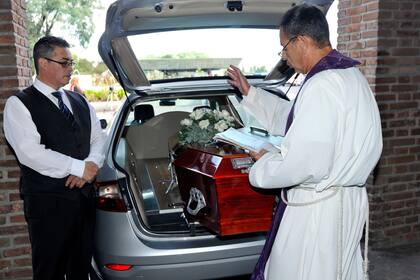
column 258, row 70
column 191, row 55
column 84, row 66
column 183, row 55
column 73, row 15
column 100, row 68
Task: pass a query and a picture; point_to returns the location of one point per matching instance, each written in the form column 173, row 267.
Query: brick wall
column 384, row 35
column 15, row 72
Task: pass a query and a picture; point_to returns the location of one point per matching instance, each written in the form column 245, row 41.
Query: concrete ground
column 402, row 263
column 106, row 110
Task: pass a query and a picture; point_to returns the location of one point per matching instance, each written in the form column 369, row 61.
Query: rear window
column 206, row 52
column 191, row 104
column 171, row 105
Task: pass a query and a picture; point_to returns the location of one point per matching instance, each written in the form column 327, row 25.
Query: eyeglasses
column 66, row 63
column 285, row 46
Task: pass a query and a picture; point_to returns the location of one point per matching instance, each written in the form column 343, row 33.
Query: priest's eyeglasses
column 64, row 64
column 285, row 46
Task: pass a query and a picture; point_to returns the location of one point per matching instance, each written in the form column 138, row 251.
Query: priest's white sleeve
column 307, row 152
column 270, row 110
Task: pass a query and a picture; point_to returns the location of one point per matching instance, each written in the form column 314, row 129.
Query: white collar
column 44, row 88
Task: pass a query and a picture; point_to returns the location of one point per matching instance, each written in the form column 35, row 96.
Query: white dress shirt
column 23, row 136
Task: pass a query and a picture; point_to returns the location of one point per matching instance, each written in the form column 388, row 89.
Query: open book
column 249, row 141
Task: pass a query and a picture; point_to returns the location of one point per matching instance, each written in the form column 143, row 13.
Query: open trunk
column 145, row 150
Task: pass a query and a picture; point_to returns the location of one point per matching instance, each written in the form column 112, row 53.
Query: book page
column 248, row 141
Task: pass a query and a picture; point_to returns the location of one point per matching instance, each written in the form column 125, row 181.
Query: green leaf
column 73, row 15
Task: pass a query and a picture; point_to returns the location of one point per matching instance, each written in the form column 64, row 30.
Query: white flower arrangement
column 202, row 125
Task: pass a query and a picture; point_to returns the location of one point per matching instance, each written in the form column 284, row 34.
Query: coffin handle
column 196, row 198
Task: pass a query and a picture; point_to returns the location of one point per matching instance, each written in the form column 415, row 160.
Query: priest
column 332, row 142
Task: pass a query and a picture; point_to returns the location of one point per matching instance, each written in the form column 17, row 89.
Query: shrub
column 102, row 94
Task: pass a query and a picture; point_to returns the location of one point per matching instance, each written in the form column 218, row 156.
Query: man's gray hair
column 45, row 46
column 306, row 20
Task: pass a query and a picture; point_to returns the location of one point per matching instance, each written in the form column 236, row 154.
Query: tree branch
column 48, row 26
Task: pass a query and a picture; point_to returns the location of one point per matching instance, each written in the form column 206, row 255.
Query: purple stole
column 334, row 60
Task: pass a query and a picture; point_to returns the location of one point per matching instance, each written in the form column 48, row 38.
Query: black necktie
column 64, row 109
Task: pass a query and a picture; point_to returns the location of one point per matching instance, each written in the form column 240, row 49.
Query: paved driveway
column 401, row 263
column 395, row 264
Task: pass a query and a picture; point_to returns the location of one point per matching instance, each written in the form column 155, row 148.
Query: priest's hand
column 90, row 172
column 238, row 80
column 74, row 181
column 258, row 155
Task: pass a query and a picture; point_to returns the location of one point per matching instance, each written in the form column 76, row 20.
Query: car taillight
column 109, row 197
column 119, row 267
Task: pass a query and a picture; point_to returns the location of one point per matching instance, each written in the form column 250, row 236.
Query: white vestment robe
column 332, row 146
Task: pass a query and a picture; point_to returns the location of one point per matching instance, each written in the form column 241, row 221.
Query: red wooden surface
column 233, row 206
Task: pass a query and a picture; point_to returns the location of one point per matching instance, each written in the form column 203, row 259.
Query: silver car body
column 125, row 246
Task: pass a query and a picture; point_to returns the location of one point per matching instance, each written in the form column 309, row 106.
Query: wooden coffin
column 216, row 183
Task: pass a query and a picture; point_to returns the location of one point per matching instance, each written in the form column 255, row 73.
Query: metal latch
column 240, row 163
column 255, row 130
column 234, row 6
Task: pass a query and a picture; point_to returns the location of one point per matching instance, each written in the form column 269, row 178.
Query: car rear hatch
column 131, row 18
column 126, row 18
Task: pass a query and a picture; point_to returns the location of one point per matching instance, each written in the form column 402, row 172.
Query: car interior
column 142, row 113
column 146, row 150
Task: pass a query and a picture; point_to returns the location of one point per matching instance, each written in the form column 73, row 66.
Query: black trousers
column 61, row 235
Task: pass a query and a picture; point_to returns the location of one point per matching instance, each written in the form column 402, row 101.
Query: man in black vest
column 58, row 141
